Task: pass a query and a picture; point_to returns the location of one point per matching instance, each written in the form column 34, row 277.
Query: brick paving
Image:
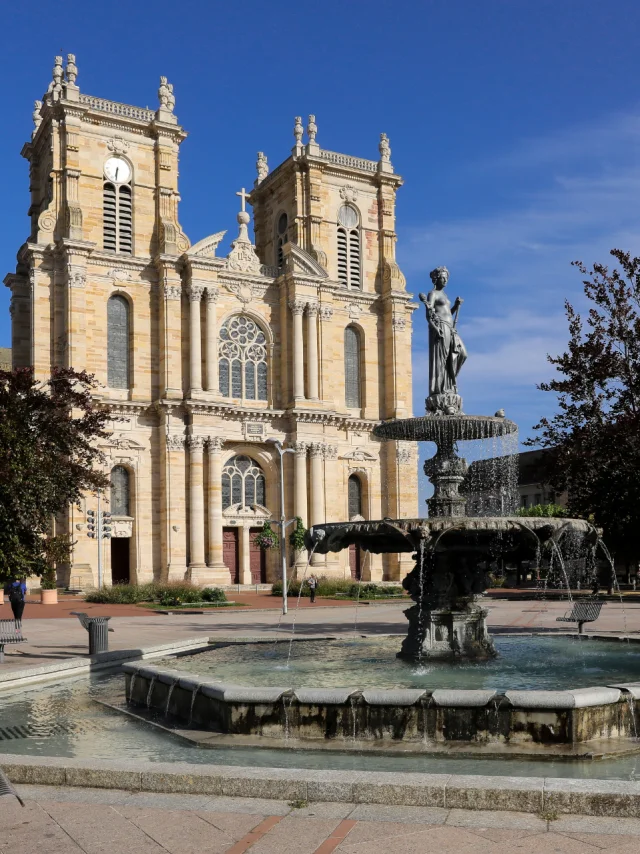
column 58, row 820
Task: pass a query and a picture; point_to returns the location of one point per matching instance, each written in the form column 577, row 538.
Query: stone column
column 174, row 510
column 214, row 446
column 324, row 340
column 312, row 349
column 297, row 309
column 212, row 340
column 300, row 481
column 195, row 297
column 196, row 507
column 245, row 555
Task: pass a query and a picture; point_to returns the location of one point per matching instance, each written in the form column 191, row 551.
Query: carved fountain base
column 447, row 634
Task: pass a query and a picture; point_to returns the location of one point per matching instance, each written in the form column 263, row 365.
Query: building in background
column 304, row 337
column 5, row 358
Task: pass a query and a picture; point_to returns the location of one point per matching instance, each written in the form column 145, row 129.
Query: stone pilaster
column 300, row 481
column 195, row 293
column 217, row 568
column 312, row 350
column 297, row 309
column 196, row 507
column 171, row 341
column 211, row 325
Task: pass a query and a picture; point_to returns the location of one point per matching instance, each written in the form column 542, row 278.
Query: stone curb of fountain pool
column 577, row 698
column 612, row 798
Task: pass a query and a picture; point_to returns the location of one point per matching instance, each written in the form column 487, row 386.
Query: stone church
column 301, row 334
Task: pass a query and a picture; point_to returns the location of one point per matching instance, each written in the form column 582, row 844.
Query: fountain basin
column 416, row 719
column 445, row 428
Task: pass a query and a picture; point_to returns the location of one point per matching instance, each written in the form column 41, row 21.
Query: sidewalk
column 59, row 820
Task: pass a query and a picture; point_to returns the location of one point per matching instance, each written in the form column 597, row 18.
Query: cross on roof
column 244, row 196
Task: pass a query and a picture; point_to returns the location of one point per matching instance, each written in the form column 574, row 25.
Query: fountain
column 390, row 703
column 451, row 548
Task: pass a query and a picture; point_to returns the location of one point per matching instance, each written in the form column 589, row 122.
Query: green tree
column 48, row 454
column 593, row 441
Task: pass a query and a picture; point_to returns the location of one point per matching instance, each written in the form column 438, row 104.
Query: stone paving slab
column 64, row 820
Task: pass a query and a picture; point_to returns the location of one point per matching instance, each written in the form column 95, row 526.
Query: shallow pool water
column 65, row 720
column 523, row 662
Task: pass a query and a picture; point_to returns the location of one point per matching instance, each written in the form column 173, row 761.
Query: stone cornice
column 231, row 412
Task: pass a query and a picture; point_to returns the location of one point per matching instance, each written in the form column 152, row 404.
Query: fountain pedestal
column 446, row 634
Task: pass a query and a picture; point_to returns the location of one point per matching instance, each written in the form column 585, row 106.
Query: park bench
column 6, row 787
column 97, row 628
column 9, row 634
column 581, row 613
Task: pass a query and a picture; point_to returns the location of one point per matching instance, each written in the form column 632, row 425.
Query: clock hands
column 117, row 170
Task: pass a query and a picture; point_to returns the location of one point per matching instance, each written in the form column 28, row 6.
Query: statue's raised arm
column 447, row 353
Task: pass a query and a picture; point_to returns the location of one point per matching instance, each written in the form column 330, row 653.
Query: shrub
column 168, row 593
column 332, row 586
column 545, row 510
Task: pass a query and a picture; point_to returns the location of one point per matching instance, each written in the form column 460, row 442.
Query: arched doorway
column 355, row 512
column 120, row 506
column 243, row 507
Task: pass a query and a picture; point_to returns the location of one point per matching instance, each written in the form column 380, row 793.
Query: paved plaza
column 52, row 640
column 58, row 820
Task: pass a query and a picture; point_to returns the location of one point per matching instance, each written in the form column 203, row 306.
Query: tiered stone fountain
column 452, row 549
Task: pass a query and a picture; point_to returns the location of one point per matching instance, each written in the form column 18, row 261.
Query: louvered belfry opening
column 117, row 213
column 349, row 255
column 352, row 384
column 282, row 237
column 118, row 342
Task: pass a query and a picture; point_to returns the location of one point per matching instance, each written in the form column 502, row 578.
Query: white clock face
column 118, row 170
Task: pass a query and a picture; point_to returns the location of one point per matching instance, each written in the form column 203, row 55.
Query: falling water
column 150, row 691
column 295, row 613
column 169, row 693
column 367, row 555
column 615, row 585
column 420, row 602
column 272, row 651
column 132, row 683
column 353, row 701
column 193, row 700
column 424, row 704
column 632, row 714
column 286, row 702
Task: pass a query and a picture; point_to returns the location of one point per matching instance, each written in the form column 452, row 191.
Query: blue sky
column 515, row 123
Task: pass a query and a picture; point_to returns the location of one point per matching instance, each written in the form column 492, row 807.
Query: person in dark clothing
column 17, row 593
column 313, row 583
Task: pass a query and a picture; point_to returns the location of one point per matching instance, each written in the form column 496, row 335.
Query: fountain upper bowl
column 455, row 428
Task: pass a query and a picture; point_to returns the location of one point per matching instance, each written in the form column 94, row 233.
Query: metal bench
column 6, row 787
column 581, row 613
column 9, row 633
column 97, row 628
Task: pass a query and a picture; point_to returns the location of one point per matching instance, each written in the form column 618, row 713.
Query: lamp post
column 283, row 522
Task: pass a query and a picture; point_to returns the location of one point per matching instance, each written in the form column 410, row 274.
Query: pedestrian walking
column 313, row 583
column 17, row 593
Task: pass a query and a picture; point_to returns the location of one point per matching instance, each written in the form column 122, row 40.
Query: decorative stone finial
column 262, row 168
column 71, row 69
column 312, row 129
column 54, row 90
column 384, row 164
column 243, row 257
column 163, row 94
column 37, row 118
column 171, row 98
column 298, row 130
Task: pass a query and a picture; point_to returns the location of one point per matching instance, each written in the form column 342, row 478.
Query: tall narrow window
column 355, row 496
column 242, row 359
column 120, row 503
column 117, row 225
column 349, row 263
column 281, row 238
column 242, row 483
column 118, row 342
column 352, row 384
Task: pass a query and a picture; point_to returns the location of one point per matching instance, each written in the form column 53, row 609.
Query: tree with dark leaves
column 48, row 459
column 594, row 439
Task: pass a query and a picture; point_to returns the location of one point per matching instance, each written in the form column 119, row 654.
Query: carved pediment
column 124, row 443
column 358, row 455
column 206, row 248
column 299, row 261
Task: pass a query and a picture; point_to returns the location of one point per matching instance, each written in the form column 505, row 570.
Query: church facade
column 302, row 336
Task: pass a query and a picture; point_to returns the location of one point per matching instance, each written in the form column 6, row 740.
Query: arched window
column 355, row 496
column 118, row 342
column 349, row 247
column 242, row 483
column 242, row 359
column 282, row 237
column 352, row 392
column 117, row 231
column 120, row 504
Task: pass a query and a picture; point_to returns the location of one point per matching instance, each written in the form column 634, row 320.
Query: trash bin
column 98, row 634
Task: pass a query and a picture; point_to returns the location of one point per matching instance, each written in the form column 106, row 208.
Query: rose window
column 242, row 359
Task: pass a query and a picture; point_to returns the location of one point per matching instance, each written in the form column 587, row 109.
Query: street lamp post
column 283, row 522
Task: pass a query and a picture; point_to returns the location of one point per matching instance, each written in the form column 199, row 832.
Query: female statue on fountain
column 447, row 353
